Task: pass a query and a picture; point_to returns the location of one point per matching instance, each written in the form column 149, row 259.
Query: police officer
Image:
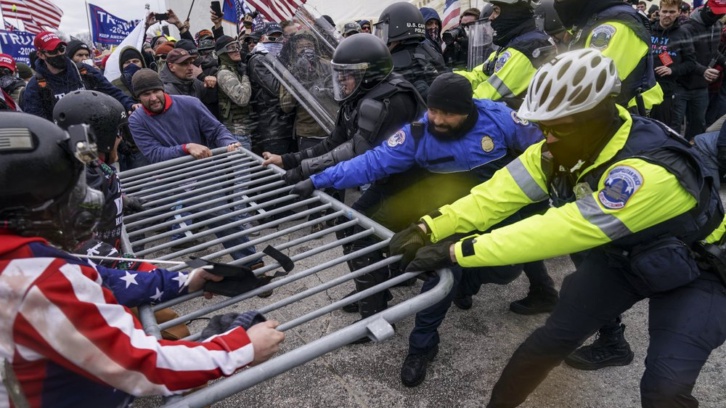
column 401, row 26
column 522, row 49
column 549, row 21
column 457, row 145
column 375, row 103
column 632, row 197
column 620, row 33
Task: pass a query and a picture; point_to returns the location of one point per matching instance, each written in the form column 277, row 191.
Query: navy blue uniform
column 454, row 166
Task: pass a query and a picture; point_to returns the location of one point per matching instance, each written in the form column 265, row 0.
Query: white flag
column 136, row 40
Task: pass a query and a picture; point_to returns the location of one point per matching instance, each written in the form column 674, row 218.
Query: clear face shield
column 347, row 78
column 481, row 37
column 381, row 31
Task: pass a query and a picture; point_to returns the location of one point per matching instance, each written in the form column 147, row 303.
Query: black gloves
column 242, row 68
column 293, row 176
column 432, row 257
column 304, row 188
column 133, row 204
column 407, row 242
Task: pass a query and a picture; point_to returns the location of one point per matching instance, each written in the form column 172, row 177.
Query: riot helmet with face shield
column 399, row 22
column 360, row 62
column 43, row 191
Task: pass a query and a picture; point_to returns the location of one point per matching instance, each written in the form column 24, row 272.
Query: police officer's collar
column 614, row 143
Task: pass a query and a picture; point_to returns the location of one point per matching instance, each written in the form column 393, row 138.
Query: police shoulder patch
column 397, row 139
column 601, row 36
column 621, row 183
column 518, row 120
column 502, row 60
column 487, row 144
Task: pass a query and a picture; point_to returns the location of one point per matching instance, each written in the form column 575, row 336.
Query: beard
column 443, row 131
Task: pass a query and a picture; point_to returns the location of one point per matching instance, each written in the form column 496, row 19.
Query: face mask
column 307, row 54
column 129, row 72
column 433, row 34
column 57, row 62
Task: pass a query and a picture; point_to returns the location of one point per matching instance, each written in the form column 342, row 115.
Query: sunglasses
column 60, row 50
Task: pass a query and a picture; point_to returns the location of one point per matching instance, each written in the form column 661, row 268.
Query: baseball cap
column 717, row 6
column 6, row 61
column 273, row 28
column 47, row 41
column 351, row 27
column 178, row 56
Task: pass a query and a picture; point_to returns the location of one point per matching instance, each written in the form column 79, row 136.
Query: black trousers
column 685, row 325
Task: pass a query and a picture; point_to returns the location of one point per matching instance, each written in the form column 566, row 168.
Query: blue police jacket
column 498, row 133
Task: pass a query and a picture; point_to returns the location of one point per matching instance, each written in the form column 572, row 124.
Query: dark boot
column 609, row 349
column 538, row 300
column 463, row 301
column 353, row 307
column 413, row 371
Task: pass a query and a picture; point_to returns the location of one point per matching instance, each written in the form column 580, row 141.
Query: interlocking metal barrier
column 233, row 189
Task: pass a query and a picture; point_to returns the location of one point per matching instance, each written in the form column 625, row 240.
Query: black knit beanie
column 451, row 93
column 74, row 46
column 222, row 42
column 130, row 53
column 146, row 79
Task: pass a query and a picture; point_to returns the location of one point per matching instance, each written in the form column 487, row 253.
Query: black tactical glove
column 133, row 204
column 293, row 176
column 407, row 242
column 304, row 188
column 432, row 257
column 242, row 68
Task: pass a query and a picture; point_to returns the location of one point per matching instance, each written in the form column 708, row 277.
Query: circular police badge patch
column 621, row 183
column 601, row 36
column 518, row 120
column 487, row 144
column 502, row 60
column 397, row 139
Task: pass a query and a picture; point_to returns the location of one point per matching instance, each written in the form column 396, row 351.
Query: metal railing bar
column 165, row 183
column 280, row 282
column 166, row 176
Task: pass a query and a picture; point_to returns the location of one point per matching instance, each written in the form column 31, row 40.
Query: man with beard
column 631, row 197
column 458, row 144
column 522, row 49
column 620, row 33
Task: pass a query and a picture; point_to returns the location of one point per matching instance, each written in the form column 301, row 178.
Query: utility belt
column 711, row 259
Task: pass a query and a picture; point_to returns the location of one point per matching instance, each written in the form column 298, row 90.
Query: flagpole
column 88, row 20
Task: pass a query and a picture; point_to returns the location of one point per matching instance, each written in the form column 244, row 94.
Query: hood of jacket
column 168, row 77
column 429, row 13
column 141, row 57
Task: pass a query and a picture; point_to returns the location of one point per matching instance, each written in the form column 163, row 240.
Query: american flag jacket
column 66, row 329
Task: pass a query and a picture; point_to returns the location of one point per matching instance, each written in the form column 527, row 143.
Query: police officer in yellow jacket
column 522, row 49
column 505, row 77
column 620, row 33
column 630, row 195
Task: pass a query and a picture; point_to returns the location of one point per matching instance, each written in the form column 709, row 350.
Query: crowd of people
column 531, row 130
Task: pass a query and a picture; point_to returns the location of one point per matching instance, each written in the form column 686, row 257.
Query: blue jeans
column 132, row 161
column 690, row 105
column 241, row 239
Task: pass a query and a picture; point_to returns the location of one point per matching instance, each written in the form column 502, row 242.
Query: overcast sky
column 74, row 11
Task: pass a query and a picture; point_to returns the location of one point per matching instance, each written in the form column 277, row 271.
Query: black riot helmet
column 399, row 22
column 547, row 18
column 360, row 61
column 43, row 189
column 106, row 116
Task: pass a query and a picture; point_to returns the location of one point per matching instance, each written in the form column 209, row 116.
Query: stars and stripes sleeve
column 134, row 288
column 68, row 317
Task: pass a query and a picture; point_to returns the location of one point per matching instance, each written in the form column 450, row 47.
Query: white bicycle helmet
column 573, row 82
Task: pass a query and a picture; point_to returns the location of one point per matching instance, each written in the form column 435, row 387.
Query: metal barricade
column 227, row 187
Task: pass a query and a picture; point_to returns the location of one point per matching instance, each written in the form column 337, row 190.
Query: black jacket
column 273, row 122
column 418, row 63
column 675, row 42
column 706, row 40
column 189, row 87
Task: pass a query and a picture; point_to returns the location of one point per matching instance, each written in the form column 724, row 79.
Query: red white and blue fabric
column 9, row 27
column 72, row 341
column 452, row 10
column 277, row 10
column 35, row 14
